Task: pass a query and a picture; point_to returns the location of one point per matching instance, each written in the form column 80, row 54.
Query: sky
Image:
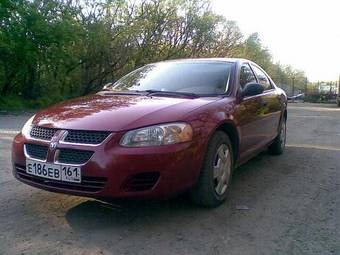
column 301, row 33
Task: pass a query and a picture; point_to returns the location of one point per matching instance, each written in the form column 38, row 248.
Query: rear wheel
column 215, row 177
column 279, row 144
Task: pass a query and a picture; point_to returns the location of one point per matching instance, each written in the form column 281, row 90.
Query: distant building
column 325, row 87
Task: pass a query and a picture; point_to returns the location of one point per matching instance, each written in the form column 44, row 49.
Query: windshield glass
column 202, row 78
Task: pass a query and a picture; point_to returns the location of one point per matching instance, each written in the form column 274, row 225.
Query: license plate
column 53, row 171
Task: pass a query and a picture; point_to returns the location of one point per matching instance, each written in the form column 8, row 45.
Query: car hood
column 117, row 112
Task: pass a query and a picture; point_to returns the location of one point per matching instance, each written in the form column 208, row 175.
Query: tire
column 214, row 181
column 279, row 143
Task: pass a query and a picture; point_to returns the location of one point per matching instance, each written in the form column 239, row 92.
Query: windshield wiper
column 153, row 92
column 127, row 92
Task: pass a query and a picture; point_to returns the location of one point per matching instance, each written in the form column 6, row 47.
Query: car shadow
column 262, row 193
column 253, row 181
column 96, row 214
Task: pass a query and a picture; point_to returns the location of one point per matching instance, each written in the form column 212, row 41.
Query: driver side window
column 246, row 75
column 263, row 79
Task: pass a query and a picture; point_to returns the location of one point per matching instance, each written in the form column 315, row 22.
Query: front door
column 271, row 106
column 250, row 117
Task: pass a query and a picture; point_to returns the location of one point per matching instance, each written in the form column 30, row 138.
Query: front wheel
column 215, row 177
column 279, row 143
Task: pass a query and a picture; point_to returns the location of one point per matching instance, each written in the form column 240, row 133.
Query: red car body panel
column 115, row 112
column 175, row 164
column 252, row 122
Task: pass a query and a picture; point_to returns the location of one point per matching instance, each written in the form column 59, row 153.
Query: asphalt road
column 287, row 204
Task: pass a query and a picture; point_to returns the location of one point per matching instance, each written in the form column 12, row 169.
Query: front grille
column 88, row 183
column 73, row 136
column 86, row 137
column 36, row 151
column 42, row 133
column 71, row 156
column 142, row 181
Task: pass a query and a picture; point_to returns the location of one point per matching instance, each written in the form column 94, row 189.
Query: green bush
column 19, row 103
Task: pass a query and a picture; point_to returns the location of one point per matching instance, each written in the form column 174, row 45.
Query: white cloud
column 305, row 34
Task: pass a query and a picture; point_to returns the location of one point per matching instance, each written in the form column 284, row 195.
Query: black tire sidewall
column 205, row 189
column 276, row 147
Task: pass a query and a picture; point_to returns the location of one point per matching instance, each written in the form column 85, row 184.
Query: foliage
column 58, row 49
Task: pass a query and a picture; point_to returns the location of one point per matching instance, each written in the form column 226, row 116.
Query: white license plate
column 53, row 171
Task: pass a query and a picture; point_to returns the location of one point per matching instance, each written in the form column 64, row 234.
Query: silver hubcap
column 283, row 135
column 222, row 169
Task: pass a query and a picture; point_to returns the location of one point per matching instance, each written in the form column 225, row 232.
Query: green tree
column 57, row 49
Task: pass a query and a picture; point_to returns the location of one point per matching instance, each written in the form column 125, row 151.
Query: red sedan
column 165, row 128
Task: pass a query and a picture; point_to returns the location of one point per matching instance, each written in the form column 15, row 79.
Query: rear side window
column 262, row 78
column 246, row 75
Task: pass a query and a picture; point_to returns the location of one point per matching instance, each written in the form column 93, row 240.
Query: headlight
column 158, row 135
column 27, row 127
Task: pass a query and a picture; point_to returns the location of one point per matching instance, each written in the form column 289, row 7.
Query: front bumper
column 117, row 172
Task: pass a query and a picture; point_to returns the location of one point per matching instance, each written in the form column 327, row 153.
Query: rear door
column 270, row 106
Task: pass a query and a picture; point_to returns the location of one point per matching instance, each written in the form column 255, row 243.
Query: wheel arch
column 230, row 129
column 284, row 117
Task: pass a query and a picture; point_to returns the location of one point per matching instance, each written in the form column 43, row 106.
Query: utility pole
column 306, row 88
column 293, row 87
column 338, row 91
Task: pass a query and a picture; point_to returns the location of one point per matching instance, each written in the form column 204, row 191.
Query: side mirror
column 252, row 89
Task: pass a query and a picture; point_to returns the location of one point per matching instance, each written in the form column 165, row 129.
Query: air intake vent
column 36, row 151
column 142, row 181
column 71, row 156
column 43, row 133
column 86, row 137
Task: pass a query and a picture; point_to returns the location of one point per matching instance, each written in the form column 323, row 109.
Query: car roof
column 190, row 60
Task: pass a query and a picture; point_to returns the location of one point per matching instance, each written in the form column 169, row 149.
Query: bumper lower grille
column 86, row 137
column 36, row 151
column 43, row 133
column 71, row 156
column 142, row 181
column 88, row 183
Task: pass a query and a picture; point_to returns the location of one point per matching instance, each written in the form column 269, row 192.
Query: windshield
column 202, row 78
